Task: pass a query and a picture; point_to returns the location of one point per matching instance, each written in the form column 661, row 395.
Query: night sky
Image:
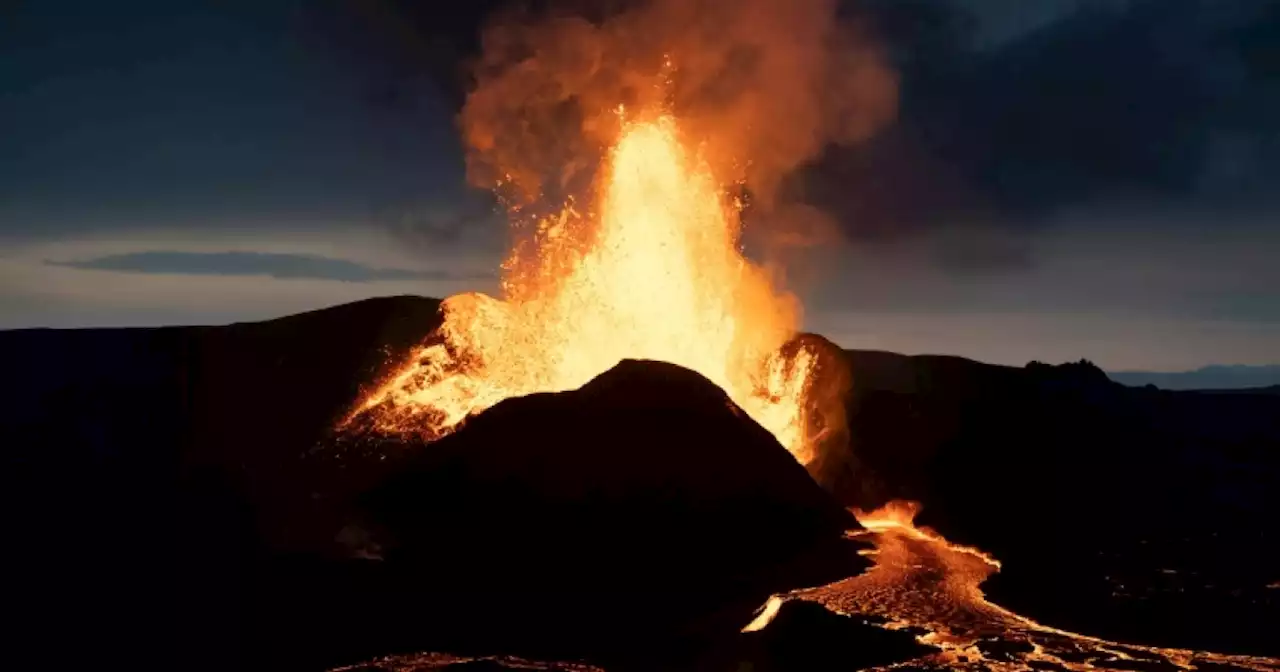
column 1066, row 178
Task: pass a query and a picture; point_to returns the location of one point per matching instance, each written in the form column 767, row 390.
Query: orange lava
column 899, row 516
column 923, row 582
column 653, row 270
column 926, row 585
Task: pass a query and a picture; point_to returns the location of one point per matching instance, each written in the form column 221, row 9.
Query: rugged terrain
column 166, row 484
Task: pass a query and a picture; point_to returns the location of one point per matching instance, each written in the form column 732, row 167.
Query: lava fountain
column 653, row 270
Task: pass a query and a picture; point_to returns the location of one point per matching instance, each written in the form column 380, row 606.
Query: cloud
column 37, row 292
column 1009, row 110
column 1148, row 102
column 1113, row 341
column 1155, row 294
column 274, row 265
column 472, row 222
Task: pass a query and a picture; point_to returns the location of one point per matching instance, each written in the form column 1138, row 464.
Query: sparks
column 653, row 271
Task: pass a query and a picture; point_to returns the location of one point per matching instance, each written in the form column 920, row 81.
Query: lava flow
column 653, row 271
column 923, row 583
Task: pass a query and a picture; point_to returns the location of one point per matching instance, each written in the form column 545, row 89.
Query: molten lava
column 924, row 583
column 653, row 271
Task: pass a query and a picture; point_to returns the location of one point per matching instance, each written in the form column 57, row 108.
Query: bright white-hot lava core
column 652, row 270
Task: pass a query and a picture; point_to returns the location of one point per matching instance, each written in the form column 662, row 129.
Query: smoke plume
column 762, row 86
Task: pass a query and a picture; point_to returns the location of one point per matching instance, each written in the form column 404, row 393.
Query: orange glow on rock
column 653, row 271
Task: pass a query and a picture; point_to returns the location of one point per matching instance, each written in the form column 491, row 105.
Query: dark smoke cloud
column 1146, row 104
column 1153, row 101
column 762, row 86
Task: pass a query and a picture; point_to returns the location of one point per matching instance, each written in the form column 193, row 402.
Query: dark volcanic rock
column 180, row 494
column 171, row 510
column 149, row 472
column 640, row 511
column 1169, row 497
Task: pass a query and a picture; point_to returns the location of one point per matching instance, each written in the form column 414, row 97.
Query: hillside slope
column 1138, row 514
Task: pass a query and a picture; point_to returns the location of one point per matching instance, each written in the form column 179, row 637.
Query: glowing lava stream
column 921, row 581
column 654, row 272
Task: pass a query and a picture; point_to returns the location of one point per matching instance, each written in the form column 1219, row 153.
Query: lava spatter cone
column 639, row 508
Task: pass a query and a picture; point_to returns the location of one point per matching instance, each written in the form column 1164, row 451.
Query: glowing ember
column 654, row 272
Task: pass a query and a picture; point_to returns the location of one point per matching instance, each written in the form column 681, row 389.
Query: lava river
column 655, row 269
column 924, row 584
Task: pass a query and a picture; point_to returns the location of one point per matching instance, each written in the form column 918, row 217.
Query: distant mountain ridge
column 1215, row 377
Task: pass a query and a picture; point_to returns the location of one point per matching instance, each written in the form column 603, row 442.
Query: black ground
column 1135, row 514
column 168, row 505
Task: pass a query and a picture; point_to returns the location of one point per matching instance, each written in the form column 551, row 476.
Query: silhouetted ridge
column 641, row 508
column 1060, row 472
column 172, row 482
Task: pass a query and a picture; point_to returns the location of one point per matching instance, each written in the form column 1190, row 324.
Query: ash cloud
column 762, row 86
column 1007, row 114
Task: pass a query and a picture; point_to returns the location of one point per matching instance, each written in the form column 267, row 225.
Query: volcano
column 643, row 511
column 185, row 502
column 638, row 509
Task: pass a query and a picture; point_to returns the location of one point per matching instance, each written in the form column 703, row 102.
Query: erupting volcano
column 653, row 270
column 648, row 262
column 632, row 453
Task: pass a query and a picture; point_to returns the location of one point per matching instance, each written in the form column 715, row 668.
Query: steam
column 761, row 86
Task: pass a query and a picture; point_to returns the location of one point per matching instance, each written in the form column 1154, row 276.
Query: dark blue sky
column 160, row 109
column 1067, row 178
